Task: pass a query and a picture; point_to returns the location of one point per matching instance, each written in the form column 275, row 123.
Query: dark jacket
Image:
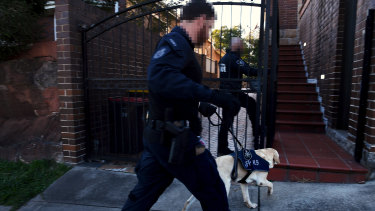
column 231, row 66
column 174, row 78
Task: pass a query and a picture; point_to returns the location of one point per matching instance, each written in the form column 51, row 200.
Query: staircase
column 298, row 108
column 306, row 153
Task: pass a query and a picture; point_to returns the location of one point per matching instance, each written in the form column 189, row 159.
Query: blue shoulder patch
column 251, row 161
column 161, row 52
column 175, row 41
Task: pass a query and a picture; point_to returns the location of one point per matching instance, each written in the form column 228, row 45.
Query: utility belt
column 159, row 125
column 174, row 134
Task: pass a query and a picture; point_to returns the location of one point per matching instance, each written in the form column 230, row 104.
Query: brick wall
column 321, row 28
column 117, row 61
column 288, row 15
column 68, row 13
column 369, row 149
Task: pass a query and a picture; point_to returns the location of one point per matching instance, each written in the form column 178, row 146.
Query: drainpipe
column 359, row 142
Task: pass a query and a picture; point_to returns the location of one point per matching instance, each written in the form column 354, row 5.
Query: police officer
column 171, row 147
column 233, row 67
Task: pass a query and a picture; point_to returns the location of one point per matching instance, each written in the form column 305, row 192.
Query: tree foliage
column 221, row 40
column 18, row 24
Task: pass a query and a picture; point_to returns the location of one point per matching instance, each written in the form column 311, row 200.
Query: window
column 210, row 66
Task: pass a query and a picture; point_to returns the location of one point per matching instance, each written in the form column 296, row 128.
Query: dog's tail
column 276, row 157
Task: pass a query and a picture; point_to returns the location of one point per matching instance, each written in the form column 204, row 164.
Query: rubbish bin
column 126, row 121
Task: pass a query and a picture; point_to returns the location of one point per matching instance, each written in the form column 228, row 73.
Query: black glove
column 226, row 100
column 206, row 109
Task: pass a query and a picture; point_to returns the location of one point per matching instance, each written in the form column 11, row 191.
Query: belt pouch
column 179, row 146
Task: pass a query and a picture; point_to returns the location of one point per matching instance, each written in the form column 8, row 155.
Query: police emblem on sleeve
column 222, row 68
column 159, row 53
column 240, row 62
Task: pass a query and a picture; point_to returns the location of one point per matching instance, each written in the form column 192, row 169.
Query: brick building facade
column 333, row 49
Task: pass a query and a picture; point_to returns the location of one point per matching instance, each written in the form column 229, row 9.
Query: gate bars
column 116, row 51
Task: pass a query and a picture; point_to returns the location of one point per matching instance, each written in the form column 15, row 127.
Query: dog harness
column 251, row 162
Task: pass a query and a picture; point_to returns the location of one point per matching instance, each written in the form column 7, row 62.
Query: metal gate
column 117, row 51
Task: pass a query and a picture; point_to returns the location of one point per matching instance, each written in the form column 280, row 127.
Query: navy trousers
column 247, row 102
column 199, row 174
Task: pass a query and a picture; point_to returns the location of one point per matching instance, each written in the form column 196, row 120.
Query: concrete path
column 92, row 189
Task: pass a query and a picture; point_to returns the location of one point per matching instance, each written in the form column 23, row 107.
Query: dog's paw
column 270, row 191
column 251, row 205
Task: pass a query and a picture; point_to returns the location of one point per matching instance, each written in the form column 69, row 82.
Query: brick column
column 368, row 158
column 70, row 84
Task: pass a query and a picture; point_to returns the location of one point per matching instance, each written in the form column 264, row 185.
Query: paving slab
column 5, row 208
column 94, row 189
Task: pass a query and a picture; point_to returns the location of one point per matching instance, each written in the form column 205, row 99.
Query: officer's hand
column 206, row 109
column 226, row 100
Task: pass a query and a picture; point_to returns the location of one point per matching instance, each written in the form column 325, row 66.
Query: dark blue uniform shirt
column 174, row 78
column 232, row 67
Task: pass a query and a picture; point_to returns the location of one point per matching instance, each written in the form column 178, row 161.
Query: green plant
column 18, row 23
column 221, row 40
column 107, row 5
column 20, row 182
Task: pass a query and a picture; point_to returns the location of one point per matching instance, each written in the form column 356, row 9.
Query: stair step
column 283, row 67
column 289, row 53
column 296, row 95
column 304, row 158
column 300, row 126
column 295, row 172
column 290, row 57
column 293, row 51
column 290, row 79
column 291, row 62
column 302, row 116
column 282, row 86
column 298, row 105
column 296, row 73
column 289, row 47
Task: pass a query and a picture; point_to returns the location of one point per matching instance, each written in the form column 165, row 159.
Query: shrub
column 18, row 24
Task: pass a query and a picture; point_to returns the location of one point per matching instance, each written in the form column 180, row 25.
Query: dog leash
column 230, row 129
column 234, row 173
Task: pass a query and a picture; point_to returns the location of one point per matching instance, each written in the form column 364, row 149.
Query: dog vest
column 251, row 161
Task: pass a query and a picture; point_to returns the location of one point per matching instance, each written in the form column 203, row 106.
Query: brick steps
column 291, row 73
column 291, row 62
column 313, row 157
column 291, row 79
column 301, row 116
column 298, row 105
column 287, row 67
column 306, row 153
column 286, row 86
column 300, row 126
column 297, row 95
column 298, row 108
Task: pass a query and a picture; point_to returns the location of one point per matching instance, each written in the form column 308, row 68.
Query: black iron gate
column 116, row 53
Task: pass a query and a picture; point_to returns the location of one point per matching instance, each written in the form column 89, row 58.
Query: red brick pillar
column 70, row 15
column 70, row 82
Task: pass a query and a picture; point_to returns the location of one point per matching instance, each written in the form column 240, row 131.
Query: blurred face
column 203, row 31
column 237, row 45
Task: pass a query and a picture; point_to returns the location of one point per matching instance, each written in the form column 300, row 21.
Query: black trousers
column 247, row 102
column 199, row 174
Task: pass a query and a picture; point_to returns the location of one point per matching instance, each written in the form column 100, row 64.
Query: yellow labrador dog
column 225, row 165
